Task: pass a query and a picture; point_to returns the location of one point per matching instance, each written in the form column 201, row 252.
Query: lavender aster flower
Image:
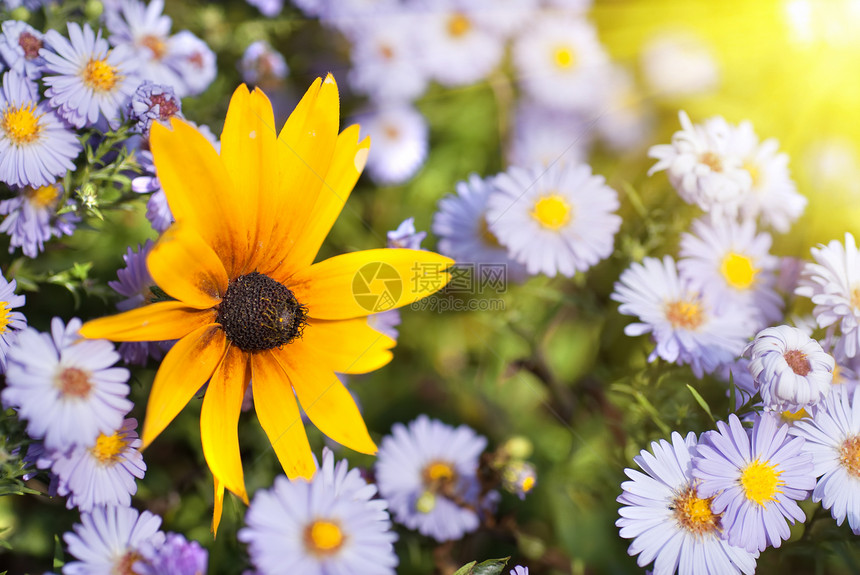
column 175, row 556
column 790, row 369
column 11, row 322
column 262, row 65
column 19, row 47
column 103, row 474
column 108, row 540
column 755, row 479
column 405, row 236
column 833, row 438
column 86, row 80
column 671, row 523
column 268, row 8
column 194, row 61
column 428, row 473
column 32, row 219
column 65, row 387
column 520, row 570
column 682, row 323
column 153, row 103
column 400, row 140
column 327, row 526
column 35, row 147
column 555, row 220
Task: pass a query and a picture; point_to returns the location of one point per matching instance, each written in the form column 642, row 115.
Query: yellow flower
column 249, row 305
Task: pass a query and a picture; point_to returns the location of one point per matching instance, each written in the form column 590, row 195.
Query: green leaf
column 701, row 401
column 59, row 558
column 488, row 567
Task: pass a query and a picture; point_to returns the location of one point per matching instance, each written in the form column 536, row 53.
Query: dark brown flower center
column 258, row 313
column 30, row 44
column 167, row 107
column 798, row 362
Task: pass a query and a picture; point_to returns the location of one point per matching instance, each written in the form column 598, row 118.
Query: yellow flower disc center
column 458, row 25
column 755, row 173
column 21, row 123
column 552, row 212
column 100, row 76
column 855, row 298
column 849, row 456
column 439, row 472
column 528, row 483
column 797, row 361
column 792, row 416
column 684, row 314
column 487, row 236
column 73, row 382
column 694, row 513
column 712, row 160
column 108, row 447
column 323, row 537
column 738, row 270
column 4, row 316
column 44, row 197
column 760, row 482
column 564, row 57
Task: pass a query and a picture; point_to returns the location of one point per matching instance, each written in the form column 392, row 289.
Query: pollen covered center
column 738, row 270
column 100, row 76
column 42, row 197
column 458, row 25
column 684, row 314
column 564, row 57
column 4, row 316
column 73, row 382
column 30, row 44
column 258, row 313
column 760, row 482
column 323, row 537
column 108, row 447
column 797, row 361
column 167, row 108
column 21, row 124
column 552, row 212
column 712, row 160
column 694, row 513
column 849, row 456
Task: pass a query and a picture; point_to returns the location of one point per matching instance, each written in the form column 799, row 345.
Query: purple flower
column 153, row 103
column 330, row 524
column 194, row 61
column 35, row 147
column 32, row 219
column 19, row 47
column 86, row 80
column 405, row 236
column 109, row 539
column 428, row 473
column 175, row 556
column 11, row 322
column 262, row 65
column 103, row 474
column 755, row 479
column 65, row 387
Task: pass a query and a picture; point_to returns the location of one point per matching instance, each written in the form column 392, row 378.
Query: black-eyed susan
column 248, row 303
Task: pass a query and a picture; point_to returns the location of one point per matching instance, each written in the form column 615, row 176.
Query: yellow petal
column 249, row 153
column 348, row 161
column 200, row 192
column 186, row 367
column 345, row 346
column 370, row 281
column 325, row 400
column 186, row 268
column 219, row 421
column 305, row 148
column 219, row 506
column 154, row 322
column 275, row 404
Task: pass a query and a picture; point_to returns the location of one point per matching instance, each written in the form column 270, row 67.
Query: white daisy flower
column 773, row 196
column 790, row 369
column 400, row 139
column 732, row 263
column 349, row 15
column 703, row 167
column 464, row 235
column 833, row 285
column 679, row 63
column 833, row 438
column 504, row 17
column 543, row 136
column 555, row 220
column 384, row 55
column 454, row 49
column 560, row 62
column 681, row 322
